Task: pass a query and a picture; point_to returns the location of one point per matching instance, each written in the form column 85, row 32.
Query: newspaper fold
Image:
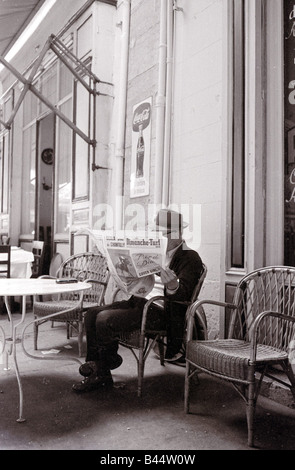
column 132, row 259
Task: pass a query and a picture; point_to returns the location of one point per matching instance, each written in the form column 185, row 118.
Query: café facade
column 112, row 109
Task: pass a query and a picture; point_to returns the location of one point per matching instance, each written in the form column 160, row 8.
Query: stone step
column 277, row 391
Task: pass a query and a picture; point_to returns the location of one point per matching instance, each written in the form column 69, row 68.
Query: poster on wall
column 141, row 149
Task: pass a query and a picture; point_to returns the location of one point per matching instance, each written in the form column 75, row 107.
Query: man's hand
column 169, row 278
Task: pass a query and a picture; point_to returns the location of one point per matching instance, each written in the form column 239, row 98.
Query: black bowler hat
column 169, row 220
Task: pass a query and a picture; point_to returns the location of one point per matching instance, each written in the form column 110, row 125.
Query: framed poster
column 141, row 149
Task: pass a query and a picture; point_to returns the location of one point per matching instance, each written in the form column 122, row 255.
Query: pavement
column 117, row 420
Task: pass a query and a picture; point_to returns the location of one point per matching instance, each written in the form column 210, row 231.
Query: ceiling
column 14, row 17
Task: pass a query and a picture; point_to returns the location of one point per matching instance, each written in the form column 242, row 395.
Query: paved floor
column 59, row 419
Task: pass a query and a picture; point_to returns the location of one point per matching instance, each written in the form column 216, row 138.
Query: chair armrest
column 46, row 276
column 100, row 298
column 39, row 298
column 196, row 310
column 145, row 310
column 256, row 324
column 96, row 281
column 155, row 299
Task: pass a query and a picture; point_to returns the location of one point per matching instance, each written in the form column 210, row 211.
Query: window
column 82, row 148
column 5, row 111
column 48, row 86
column 63, row 171
column 4, row 167
column 29, row 181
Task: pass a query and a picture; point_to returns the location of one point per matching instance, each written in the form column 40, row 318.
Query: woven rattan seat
column 90, row 267
column 231, row 358
column 46, row 308
column 261, row 333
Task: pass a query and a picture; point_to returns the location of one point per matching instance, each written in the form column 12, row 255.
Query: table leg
column 3, row 344
column 12, row 351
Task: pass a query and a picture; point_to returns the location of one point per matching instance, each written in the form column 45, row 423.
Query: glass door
column 45, row 165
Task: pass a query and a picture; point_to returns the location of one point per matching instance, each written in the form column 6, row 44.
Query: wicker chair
column 38, row 252
column 88, row 267
column 142, row 341
column 262, row 326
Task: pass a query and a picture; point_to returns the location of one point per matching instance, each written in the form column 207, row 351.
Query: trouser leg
column 103, row 325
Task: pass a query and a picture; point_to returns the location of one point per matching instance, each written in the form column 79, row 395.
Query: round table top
column 19, row 287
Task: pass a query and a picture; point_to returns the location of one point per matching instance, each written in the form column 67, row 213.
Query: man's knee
column 90, row 317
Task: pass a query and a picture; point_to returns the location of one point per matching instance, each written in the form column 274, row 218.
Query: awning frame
column 78, row 69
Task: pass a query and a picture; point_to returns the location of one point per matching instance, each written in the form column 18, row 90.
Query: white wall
column 196, row 150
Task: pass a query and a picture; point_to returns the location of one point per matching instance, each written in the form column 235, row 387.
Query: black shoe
column 88, row 368
column 177, row 360
column 114, row 361
column 93, row 383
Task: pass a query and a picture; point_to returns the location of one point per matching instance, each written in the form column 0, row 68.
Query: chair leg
column 80, row 337
column 6, row 366
column 250, row 410
column 186, row 387
column 161, row 351
column 35, row 335
column 140, row 366
column 290, row 374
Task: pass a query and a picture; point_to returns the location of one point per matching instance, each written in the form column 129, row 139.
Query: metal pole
column 46, row 102
column 27, row 85
column 75, row 59
column 71, row 69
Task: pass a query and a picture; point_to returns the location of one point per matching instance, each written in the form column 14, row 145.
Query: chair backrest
column 5, row 239
column 199, row 285
column 199, row 327
column 5, row 260
column 87, row 267
column 38, row 252
column 267, row 289
column 55, row 264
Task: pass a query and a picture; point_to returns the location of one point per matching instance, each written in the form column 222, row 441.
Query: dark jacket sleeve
column 187, row 265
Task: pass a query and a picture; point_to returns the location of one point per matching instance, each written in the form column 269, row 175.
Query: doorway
column 45, row 165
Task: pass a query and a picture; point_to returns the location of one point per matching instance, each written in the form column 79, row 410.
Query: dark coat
column 188, row 267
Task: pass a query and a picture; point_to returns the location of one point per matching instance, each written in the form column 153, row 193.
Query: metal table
column 23, row 288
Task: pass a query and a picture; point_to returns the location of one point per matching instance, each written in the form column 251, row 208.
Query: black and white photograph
column 172, row 120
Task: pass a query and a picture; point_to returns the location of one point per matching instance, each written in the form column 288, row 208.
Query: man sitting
column 104, row 324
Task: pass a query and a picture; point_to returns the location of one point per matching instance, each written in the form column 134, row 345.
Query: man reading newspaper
column 179, row 276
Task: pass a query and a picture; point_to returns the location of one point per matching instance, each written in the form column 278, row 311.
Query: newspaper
column 132, row 259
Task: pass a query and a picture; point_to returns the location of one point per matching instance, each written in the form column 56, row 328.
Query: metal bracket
column 175, row 7
column 98, row 167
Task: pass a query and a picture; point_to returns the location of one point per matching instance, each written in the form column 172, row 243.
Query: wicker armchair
column 262, row 327
column 142, row 341
column 88, row 267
